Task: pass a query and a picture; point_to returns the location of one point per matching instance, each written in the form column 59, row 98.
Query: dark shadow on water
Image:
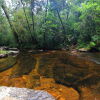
column 25, row 64
column 6, row 63
column 71, row 71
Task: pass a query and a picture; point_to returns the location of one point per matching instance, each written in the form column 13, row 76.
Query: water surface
column 80, row 71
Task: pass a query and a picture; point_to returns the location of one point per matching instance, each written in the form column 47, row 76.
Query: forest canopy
column 50, row 24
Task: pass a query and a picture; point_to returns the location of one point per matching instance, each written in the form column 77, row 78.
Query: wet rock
column 3, row 55
column 3, row 48
column 13, row 93
column 83, row 50
column 9, row 53
column 13, row 52
column 13, row 49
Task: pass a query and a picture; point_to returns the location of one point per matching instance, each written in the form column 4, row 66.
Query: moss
column 4, row 52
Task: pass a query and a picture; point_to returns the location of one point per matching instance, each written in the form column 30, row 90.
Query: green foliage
column 79, row 26
column 4, row 52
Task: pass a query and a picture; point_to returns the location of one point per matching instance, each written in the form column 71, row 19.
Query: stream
column 80, row 71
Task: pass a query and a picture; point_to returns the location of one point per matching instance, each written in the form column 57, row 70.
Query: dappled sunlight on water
column 65, row 75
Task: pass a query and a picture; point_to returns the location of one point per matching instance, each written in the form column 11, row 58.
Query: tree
column 11, row 25
column 52, row 24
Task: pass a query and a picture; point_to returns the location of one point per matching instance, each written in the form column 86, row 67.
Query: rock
column 13, row 49
column 83, row 50
column 13, row 52
column 3, row 55
column 5, row 51
column 74, row 52
column 3, row 48
column 13, row 93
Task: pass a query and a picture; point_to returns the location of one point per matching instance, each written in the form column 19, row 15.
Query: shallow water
column 80, row 71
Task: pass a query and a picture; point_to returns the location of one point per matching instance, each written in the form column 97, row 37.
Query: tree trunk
column 32, row 11
column 61, row 21
column 44, row 36
column 11, row 26
column 32, row 38
column 26, row 17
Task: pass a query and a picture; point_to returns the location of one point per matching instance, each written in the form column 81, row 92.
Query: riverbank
column 5, row 52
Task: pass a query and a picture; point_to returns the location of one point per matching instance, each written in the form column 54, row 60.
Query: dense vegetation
column 50, row 24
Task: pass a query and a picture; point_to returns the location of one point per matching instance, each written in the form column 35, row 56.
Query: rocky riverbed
column 65, row 75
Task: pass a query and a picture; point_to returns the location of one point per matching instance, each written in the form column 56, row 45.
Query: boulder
column 13, row 49
column 13, row 93
column 3, row 48
column 3, row 55
column 83, row 50
column 13, row 52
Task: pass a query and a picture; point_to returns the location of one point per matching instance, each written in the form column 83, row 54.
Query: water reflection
column 6, row 63
column 32, row 69
column 25, row 63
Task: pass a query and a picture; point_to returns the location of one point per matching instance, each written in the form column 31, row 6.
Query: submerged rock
column 13, row 93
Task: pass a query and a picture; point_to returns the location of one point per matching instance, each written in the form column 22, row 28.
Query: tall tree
column 11, row 25
column 45, row 19
column 32, row 12
column 32, row 37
